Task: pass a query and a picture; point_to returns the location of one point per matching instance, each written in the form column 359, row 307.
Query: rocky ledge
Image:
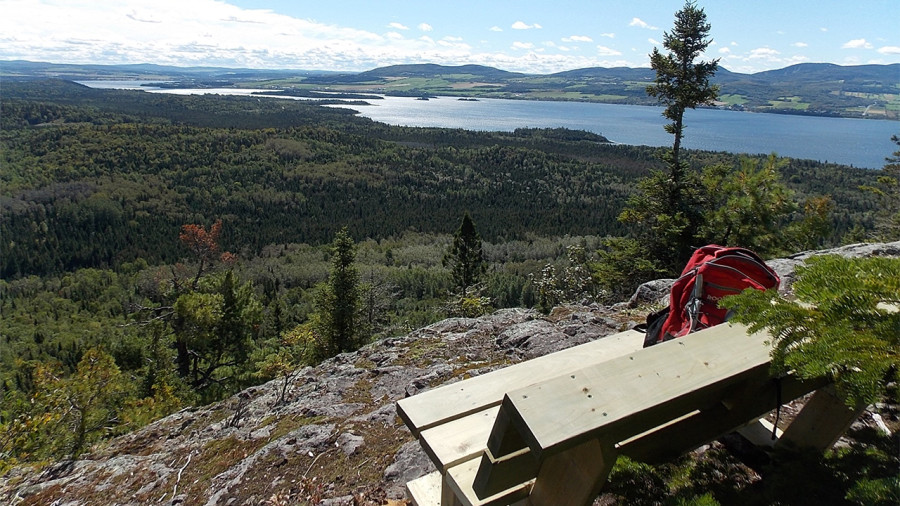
column 337, row 438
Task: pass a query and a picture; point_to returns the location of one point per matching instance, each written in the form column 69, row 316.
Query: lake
column 856, row 142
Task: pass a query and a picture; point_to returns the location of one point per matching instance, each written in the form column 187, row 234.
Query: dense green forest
column 113, row 203
column 108, row 180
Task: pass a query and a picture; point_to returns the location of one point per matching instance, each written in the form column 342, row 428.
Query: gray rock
column 409, row 463
column 147, row 462
column 346, row 500
column 651, row 292
column 785, row 266
column 349, row 443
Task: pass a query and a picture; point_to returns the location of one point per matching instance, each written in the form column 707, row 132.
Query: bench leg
column 820, row 423
column 448, row 497
column 574, row 476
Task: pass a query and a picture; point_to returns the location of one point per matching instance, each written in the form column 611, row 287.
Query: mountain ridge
column 28, row 68
column 821, row 89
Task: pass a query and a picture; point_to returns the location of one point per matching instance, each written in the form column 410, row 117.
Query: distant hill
column 23, row 69
column 822, row 89
column 432, row 70
column 889, row 75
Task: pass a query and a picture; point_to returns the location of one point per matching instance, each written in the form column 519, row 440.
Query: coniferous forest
column 169, row 250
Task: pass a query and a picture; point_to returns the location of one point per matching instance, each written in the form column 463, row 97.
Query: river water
column 855, row 142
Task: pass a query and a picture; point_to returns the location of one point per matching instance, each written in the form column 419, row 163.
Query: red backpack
column 713, row 272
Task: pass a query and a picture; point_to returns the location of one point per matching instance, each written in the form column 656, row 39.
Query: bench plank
column 637, row 392
column 461, row 477
column 758, row 397
column 426, row 490
column 459, row 440
column 456, row 400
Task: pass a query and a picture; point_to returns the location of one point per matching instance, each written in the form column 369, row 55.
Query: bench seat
column 548, row 431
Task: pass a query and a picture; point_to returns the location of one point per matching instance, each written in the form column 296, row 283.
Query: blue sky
column 523, row 36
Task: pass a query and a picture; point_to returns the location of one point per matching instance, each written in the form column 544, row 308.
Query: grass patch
column 793, row 103
column 420, row 348
column 733, row 99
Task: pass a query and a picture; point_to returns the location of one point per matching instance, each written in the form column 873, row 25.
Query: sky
column 522, row 36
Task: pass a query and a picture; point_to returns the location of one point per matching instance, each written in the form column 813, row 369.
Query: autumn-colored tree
column 203, row 244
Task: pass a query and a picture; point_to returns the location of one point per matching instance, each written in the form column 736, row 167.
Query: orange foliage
column 202, row 243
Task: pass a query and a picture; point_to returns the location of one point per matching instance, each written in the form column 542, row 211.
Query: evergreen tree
column 745, row 207
column 666, row 208
column 887, row 226
column 844, row 324
column 338, row 300
column 465, row 257
column 680, row 83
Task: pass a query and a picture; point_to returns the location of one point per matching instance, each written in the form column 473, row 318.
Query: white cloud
column 522, row 45
column 455, row 43
column 795, row 60
column 654, row 42
column 857, row 44
column 724, row 50
column 800, row 44
column 640, row 23
column 174, row 32
column 605, row 51
column 218, row 33
column 145, row 17
column 519, row 25
column 559, row 47
column 763, row 52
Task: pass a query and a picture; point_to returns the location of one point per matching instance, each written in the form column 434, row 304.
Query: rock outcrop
column 336, row 439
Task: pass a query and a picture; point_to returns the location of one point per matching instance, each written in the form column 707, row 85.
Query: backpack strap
column 692, row 309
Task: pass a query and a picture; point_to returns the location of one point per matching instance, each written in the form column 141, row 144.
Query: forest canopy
column 183, row 241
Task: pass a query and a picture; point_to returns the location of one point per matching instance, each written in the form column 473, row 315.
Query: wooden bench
column 547, row 431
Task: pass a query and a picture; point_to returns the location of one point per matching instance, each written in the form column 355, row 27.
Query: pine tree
column 667, row 208
column 338, row 300
column 844, row 325
column 465, row 257
column 746, row 207
column 887, row 226
column 680, row 83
